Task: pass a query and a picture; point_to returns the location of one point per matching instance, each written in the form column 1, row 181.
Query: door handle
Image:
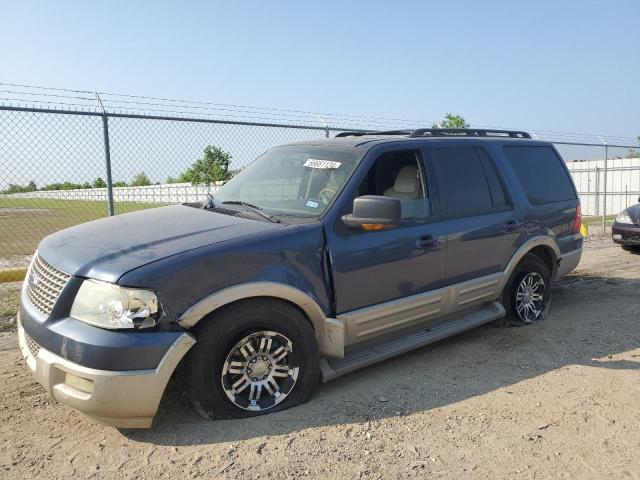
column 426, row 241
column 511, row 225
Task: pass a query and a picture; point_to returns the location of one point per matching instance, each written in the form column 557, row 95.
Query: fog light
column 83, row 384
column 617, row 236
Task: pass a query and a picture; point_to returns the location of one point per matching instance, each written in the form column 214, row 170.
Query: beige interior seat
column 407, row 184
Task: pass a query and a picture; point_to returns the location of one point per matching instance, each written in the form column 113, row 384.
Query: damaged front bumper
column 123, row 399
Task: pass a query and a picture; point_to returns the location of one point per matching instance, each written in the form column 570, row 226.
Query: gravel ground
column 559, row 399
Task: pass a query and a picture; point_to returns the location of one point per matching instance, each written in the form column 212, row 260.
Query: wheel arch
column 544, row 248
column 328, row 331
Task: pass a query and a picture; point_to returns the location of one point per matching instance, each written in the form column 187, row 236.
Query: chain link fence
column 72, row 156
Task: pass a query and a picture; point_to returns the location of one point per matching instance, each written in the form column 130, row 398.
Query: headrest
column 407, row 179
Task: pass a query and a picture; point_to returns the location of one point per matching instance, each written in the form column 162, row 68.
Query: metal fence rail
column 63, row 163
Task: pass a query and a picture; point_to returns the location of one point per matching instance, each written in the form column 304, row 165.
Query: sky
column 550, row 65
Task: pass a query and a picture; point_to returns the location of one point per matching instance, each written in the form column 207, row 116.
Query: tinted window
column 463, row 181
column 541, row 173
column 497, row 190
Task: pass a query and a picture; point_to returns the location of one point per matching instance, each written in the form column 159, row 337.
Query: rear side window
column 468, row 181
column 541, row 174
column 497, row 190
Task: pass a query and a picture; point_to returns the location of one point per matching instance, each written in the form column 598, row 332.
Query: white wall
column 623, row 184
column 164, row 193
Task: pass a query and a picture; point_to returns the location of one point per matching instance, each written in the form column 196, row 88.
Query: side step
column 362, row 356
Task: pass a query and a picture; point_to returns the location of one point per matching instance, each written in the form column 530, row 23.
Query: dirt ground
column 559, row 399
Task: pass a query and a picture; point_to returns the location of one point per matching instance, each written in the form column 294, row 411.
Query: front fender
column 329, row 332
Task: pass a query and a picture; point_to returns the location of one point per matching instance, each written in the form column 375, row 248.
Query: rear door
column 480, row 223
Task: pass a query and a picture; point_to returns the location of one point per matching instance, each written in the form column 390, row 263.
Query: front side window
column 468, row 181
column 398, row 174
column 297, row 180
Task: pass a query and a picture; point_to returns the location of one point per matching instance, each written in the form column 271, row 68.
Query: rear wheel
column 527, row 294
column 252, row 358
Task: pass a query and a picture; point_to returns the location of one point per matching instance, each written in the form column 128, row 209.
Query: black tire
column 529, row 267
column 217, row 336
column 631, row 248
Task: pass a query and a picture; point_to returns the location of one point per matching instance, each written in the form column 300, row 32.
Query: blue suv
column 319, row 258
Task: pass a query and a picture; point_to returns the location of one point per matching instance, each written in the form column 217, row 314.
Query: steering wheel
column 326, row 194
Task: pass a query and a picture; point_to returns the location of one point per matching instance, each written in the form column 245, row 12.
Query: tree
column 452, row 121
column 14, row 188
column 99, row 183
column 186, row 176
column 119, row 184
column 213, row 167
column 140, row 180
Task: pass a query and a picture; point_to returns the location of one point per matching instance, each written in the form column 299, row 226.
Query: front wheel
column 252, row 358
column 631, row 248
column 527, row 294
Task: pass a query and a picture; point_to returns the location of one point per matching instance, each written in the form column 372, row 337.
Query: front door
column 372, row 269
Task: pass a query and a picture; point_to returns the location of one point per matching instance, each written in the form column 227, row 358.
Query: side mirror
column 638, row 199
column 373, row 212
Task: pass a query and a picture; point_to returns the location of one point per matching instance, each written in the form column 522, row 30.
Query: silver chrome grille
column 33, row 347
column 44, row 285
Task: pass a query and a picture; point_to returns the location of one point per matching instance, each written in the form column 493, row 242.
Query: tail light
column 577, row 222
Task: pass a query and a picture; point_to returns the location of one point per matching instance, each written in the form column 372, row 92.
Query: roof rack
column 443, row 132
column 373, row 132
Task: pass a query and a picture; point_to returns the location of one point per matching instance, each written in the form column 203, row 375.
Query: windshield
column 299, row 180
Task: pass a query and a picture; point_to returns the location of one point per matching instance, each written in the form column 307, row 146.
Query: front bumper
column 123, row 399
column 625, row 234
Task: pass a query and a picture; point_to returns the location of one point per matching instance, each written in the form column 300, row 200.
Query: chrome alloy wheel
column 530, row 297
column 256, row 374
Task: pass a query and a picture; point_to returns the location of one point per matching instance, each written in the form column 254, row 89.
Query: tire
column 531, row 271
column 225, row 379
column 631, row 248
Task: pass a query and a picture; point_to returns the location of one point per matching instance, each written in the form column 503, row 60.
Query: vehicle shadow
column 591, row 321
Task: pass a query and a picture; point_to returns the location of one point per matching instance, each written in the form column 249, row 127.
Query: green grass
column 26, row 221
column 9, row 305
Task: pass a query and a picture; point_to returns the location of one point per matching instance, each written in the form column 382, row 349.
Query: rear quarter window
column 541, row 173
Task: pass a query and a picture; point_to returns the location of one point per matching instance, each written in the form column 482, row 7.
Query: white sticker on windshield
column 327, row 164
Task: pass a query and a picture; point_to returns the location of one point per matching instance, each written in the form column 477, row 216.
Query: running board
column 363, row 356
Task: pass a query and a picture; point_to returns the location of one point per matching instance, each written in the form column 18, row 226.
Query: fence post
column 107, row 156
column 326, row 126
column 604, row 189
column 107, row 161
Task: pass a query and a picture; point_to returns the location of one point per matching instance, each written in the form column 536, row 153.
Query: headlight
column 623, row 217
column 107, row 305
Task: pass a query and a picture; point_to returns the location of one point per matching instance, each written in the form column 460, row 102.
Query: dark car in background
column 317, row 259
column 626, row 228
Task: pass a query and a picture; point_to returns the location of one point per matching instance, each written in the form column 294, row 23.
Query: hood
column 634, row 212
column 106, row 249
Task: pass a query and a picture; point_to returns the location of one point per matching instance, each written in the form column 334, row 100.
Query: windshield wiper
column 254, row 208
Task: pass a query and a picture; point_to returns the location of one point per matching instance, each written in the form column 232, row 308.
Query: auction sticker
column 325, row 164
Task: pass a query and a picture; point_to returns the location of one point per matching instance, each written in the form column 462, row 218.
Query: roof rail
column 468, row 132
column 443, row 132
column 373, row 132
